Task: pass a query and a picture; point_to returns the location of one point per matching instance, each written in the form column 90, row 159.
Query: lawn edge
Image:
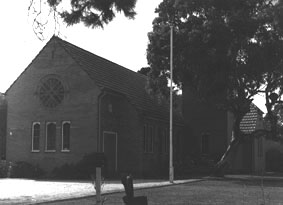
column 120, row 191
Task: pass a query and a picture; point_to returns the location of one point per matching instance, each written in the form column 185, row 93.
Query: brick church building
column 69, row 102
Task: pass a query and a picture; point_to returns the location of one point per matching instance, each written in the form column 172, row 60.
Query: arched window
column 66, row 133
column 51, row 136
column 35, row 137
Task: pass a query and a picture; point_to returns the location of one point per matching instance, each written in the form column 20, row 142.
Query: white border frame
column 116, row 153
column 146, row 136
column 47, row 123
column 32, row 136
column 62, row 139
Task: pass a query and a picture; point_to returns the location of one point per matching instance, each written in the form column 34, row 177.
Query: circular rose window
column 51, row 92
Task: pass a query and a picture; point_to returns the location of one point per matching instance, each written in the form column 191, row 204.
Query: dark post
column 129, row 199
column 127, row 181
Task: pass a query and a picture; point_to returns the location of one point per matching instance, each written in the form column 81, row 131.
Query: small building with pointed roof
column 210, row 131
column 250, row 156
column 69, row 102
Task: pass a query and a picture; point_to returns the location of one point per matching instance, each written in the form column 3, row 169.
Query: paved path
column 231, row 190
column 23, row 191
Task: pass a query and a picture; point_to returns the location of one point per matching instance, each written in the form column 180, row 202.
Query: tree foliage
column 144, row 70
column 232, row 47
column 92, row 13
column 95, row 13
column 225, row 51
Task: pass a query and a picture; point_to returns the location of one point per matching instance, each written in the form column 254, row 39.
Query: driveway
column 25, row 191
column 231, row 190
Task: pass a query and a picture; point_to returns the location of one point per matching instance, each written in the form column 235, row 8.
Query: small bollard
column 9, row 171
column 98, row 185
column 129, row 199
column 127, row 181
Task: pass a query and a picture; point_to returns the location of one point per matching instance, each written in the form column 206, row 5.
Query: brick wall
column 79, row 107
column 120, row 116
column 203, row 118
column 90, row 110
column 156, row 163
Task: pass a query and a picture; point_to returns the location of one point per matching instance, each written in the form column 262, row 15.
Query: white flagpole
column 171, row 168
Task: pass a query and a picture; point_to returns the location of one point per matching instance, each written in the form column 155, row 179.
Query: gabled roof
column 109, row 75
column 250, row 120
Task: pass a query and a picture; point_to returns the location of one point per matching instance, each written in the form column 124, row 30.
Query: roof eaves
column 86, row 61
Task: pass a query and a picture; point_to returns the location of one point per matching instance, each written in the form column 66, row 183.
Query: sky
column 123, row 41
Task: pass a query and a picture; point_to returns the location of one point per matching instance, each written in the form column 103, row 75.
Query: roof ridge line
column 90, row 53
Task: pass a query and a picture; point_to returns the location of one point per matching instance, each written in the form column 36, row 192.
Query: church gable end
column 70, row 102
column 52, row 90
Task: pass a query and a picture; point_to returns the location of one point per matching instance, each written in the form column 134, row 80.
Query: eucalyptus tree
column 225, row 51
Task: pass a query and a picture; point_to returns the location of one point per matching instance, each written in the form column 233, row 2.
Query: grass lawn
column 229, row 190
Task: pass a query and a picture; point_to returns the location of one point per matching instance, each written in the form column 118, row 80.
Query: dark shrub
column 88, row 164
column 19, row 170
column 66, row 171
column 84, row 169
column 194, row 166
column 23, row 169
column 274, row 161
column 4, row 166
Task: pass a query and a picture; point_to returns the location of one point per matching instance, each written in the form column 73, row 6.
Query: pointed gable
column 250, row 120
column 109, row 75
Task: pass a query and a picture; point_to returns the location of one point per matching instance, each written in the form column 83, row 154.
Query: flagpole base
column 171, row 175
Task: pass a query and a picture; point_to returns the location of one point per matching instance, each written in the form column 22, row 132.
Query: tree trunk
column 230, row 153
column 271, row 116
column 227, row 158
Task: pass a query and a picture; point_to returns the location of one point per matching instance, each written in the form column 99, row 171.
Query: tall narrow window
column 35, row 137
column 148, row 138
column 260, row 147
column 66, row 130
column 160, row 139
column 205, row 143
column 51, row 136
column 166, row 141
column 145, row 138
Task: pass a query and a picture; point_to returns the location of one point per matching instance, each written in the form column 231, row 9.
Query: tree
column 144, row 70
column 92, row 13
column 225, row 51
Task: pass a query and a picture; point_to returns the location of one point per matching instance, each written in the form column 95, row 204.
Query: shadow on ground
column 251, row 180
